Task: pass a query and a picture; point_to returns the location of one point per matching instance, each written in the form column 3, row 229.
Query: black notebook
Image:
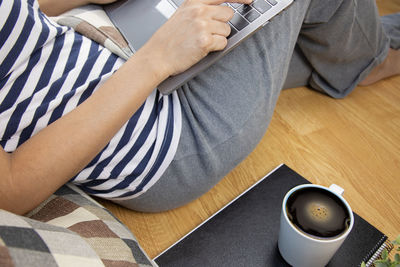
column 245, row 232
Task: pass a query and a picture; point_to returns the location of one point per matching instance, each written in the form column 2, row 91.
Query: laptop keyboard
column 245, row 14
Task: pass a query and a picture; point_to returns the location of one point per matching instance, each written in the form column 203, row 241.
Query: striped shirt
column 46, row 70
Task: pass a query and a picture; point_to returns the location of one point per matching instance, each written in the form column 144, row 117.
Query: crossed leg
column 227, row 108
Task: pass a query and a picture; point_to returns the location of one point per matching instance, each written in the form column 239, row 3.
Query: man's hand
column 195, row 29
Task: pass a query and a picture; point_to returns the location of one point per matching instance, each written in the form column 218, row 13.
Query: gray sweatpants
column 227, row 108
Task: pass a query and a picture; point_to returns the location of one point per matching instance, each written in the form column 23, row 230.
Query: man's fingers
column 247, row 2
column 220, row 28
column 219, row 42
column 220, row 31
column 221, row 13
column 218, row 2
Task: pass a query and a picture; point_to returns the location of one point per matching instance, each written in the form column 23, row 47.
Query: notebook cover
column 245, row 232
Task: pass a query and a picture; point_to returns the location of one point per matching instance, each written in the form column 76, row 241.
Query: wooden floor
column 353, row 142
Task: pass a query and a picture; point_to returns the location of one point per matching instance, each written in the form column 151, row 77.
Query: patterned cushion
column 93, row 22
column 68, row 229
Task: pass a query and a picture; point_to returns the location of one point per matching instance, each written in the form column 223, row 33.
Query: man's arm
column 54, row 155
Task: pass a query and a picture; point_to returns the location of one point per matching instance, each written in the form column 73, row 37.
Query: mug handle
column 337, row 189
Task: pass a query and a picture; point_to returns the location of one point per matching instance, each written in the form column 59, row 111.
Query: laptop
column 138, row 20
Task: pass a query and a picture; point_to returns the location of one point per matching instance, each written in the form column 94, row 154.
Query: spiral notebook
column 245, row 232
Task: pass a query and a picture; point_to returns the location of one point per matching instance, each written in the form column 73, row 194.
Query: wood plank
column 388, row 6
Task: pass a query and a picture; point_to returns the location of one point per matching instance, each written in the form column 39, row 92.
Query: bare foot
column 389, row 67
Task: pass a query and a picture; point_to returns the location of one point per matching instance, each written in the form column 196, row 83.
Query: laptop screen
column 139, row 20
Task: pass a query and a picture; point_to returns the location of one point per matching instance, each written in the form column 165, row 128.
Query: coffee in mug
column 318, row 212
column 315, row 221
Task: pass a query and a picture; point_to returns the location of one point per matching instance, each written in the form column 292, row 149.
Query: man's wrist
column 155, row 61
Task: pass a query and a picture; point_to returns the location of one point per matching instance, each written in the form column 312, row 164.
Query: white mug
column 300, row 249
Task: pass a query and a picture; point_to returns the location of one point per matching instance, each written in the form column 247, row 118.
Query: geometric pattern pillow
column 68, row 229
column 93, row 22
